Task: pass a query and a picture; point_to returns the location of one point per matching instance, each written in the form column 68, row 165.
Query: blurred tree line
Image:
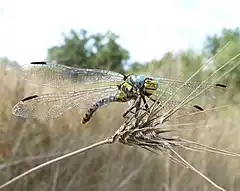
column 6, row 63
column 90, row 51
column 215, row 42
column 81, row 49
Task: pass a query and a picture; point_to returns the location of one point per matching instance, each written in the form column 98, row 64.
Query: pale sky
column 147, row 28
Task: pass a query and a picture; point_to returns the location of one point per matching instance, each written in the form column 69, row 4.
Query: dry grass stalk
column 151, row 131
column 154, row 137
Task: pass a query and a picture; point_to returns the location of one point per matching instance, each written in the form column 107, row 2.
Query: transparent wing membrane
column 55, row 104
column 56, row 75
column 216, row 89
column 189, row 110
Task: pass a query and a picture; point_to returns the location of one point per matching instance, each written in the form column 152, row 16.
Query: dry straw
column 152, row 130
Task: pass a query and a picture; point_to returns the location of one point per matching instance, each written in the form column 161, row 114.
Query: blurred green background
column 24, row 143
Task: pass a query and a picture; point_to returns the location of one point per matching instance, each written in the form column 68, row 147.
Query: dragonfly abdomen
column 88, row 115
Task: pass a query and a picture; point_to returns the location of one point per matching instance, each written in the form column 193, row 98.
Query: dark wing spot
column 221, row 85
column 118, row 86
column 198, row 107
column 30, row 97
column 38, row 63
column 125, row 77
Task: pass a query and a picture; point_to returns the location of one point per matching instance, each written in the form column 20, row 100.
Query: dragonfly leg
column 129, row 110
column 141, row 97
column 136, row 105
column 145, row 103
column 158, row 102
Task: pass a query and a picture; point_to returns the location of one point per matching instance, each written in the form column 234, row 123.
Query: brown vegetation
column 25, row 143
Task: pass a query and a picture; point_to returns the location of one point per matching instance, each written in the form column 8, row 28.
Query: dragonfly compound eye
column 150, row 84
column 140, row 81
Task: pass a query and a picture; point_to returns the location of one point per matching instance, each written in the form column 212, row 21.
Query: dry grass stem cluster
column 161, row 130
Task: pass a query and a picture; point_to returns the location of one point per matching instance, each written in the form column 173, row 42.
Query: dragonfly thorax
column 146, row 84
column 127, row 92
column 131, row 80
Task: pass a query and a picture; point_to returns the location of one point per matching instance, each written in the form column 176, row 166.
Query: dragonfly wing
column 56, row 75
column 184, row 110
column 173, row 85
column 55, row 104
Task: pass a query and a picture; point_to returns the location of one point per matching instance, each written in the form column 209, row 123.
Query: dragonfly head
column 150, row 85
column 147, row 84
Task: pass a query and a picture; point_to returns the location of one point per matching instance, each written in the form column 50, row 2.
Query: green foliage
column 136, row 67
column 165, row 67
column 190, row 63
column 215, row 42
column 103, row 51
column 90, row 51
column 234, row 76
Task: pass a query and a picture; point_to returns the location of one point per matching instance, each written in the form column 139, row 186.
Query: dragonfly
column 94, row 88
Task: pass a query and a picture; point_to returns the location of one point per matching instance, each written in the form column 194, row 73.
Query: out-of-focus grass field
column 25, row 143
